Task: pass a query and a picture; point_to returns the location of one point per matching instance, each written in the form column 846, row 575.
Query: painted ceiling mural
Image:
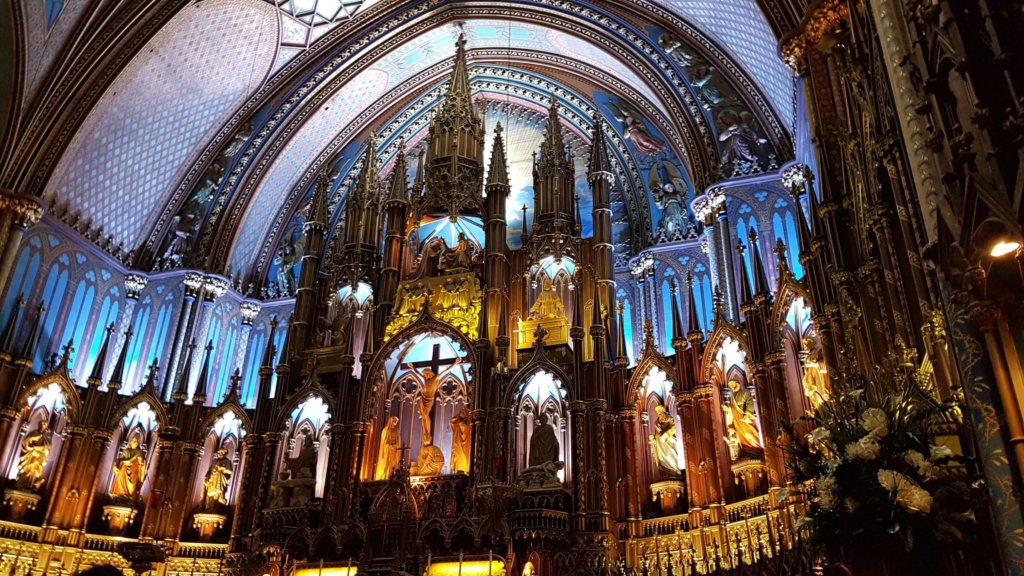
column 219, row 150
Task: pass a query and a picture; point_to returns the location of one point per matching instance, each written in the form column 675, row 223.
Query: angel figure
column 634, row 130
column 703, row 83
column 739, row 140
column 673, row 46
column 669, row 191
column 289, row 254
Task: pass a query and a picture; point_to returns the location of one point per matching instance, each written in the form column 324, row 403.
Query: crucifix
column 431, row 377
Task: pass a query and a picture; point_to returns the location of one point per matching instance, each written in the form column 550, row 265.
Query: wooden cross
column 436, row 363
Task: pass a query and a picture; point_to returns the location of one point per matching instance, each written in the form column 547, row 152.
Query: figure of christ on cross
column 430, row 379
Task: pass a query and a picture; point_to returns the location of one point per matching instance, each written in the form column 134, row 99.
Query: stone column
column 17, row 213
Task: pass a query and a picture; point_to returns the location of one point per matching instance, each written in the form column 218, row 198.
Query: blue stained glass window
column 107, row 316
column 225, row 362
column 161, row 331
column 666, row 310
column 442, row 227
column 282, row 330
column 53, row 295
column 627, row 324
column 257, row 344
column 53, row 9
column 26, row 270
column 135, row 365
column 76, row 320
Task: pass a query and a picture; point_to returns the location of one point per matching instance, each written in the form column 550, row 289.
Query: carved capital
column 984, row 315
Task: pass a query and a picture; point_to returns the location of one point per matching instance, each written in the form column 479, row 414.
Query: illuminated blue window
column 26, row 270
column 666, row 310
column 250, row 382
column 282, row 331
column 442, row 227
column 107, row 316
column 135, row 364
column 53, row 9
column 225, row 362
column 53, row 295
column 77, row 318
column 553, row 267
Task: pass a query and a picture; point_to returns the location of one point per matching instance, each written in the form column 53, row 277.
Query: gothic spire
column 151, row 372
column 199, row 397
column 368, row 348
column 677, row 317
column 181, row 394
column 599, row 163
column 318, row 204
column 692, row 310
column 757, row 265
column 369, row 177
column 745, row 294
column 96, row 376
column 458, row 99
column 552, row 149
column 399, row 177
column 497, row 173
column 268, row 352
column 117, row 376
column 620, row 348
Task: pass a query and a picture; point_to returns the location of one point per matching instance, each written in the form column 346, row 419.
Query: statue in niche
column 413, row 299
column 548, row 303
column 815, row 378
column 218, row 478
column 741, row 419
column 289, row 254
column 35, row 449
column 673, row 46
column 634, row 130
column 304, row 465
column 390, row 452
column 129, row 472
column 453, row 293
column 462, row 440
column 739, row 141
column 429, row 383
column 703, row 82
column 543, row 458
column 461, row 256
column 669, row 192
column 188, row 220
column 663, row 442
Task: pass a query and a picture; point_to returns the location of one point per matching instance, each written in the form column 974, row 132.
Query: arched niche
column 807, row 378
column 43, row 416
column 222, row 448
column 656, row 392
column 425, row 387
column 132, row 454
column 307, row 443
column 542, row 393
column 742, row 434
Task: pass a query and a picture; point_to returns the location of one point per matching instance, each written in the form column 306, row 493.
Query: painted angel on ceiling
column 703, row 82
column 634, row 129
column 673, row 46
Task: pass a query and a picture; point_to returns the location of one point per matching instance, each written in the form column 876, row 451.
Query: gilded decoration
column 455, row 299
column 819, row 29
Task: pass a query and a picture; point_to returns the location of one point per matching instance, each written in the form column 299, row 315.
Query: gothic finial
column 599, row 162
column 66, row 352
column 399, row 177
column 497, row 173
column 151, row 373
column 199, row 397
column 620, row 348
column 745, row 294
column 781, row 261
column 96, row 376
column 181, row 394
column 760, row 276
column 692, row 310
column 233, row 387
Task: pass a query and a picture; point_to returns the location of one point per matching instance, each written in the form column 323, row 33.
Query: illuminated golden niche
column 455, row 299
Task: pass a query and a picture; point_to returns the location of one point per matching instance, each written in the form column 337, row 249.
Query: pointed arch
column 219, row 411
column 143, row 396
column 60, row 377
column 718, row 337
column 650, row 359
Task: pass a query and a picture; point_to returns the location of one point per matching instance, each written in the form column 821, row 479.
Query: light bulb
column 1004, row 247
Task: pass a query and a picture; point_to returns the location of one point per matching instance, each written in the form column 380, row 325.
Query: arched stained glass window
column 135, row 363
column 666, row 310
column 627, row 324
column 250, row 381
column 53, row 294
column 78, row 317
column 26, row 271
column 107, row 316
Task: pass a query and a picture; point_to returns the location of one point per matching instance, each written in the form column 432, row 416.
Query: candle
column 348, row 567
column 490, row 561
column 320, row 570
column 460, row 563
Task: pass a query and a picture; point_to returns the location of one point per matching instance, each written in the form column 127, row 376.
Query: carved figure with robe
column 390, row 452
column 668, row 189
column 289, row 255
column 673, row 46
column 459, row 257
column 304, row 464
column 738, row 140
column 429, row 383
column 129, row 472
column 543, row 462
column 815, row 379
column 663, row 442
column 218, row 478
column 548, row 303
column 462, row 441
column 35, row 449
column 741, row 417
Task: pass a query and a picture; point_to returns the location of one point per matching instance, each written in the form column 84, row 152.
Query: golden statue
column 815, row 379
column 35, row 449
column 663, row 442
column 218, row 477
column 528, row 569
column 428, row 390
column 462, row 440
column 741, row 417
column 390, row 450
column 129, row 472
column 548, row 303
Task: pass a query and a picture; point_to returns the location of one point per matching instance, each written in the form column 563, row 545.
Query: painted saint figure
column 663, row 442
column 35, row 449
column 390, row 453
column 218, row 477
column 129, row 472
column 548, row 303
column 430, row 382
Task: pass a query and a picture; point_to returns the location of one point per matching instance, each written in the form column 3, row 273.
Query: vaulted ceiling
column 212, row 117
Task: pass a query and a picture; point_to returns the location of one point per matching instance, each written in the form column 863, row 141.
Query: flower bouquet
column 877, row 486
